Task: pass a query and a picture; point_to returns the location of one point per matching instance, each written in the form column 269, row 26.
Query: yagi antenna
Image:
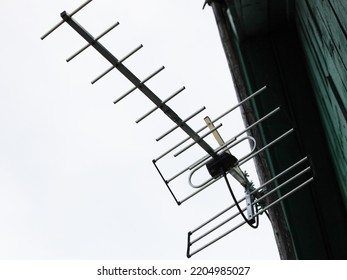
column 218, row 162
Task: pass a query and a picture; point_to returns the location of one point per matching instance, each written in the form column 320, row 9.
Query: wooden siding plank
column 334, row 43
column 324, row 73
column 340, row 9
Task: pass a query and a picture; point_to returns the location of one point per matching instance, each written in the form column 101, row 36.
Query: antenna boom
column 132, row 78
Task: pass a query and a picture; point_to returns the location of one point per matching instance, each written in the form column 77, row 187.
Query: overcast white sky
column 76, row 177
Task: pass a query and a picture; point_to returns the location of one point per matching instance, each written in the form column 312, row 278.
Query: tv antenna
column 219, row 162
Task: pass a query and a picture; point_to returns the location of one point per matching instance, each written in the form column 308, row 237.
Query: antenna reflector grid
column 261, row 211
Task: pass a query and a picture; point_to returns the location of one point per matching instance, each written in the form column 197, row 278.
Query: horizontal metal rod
column 178, row 125
column 282, row 185
column 217, row 226
column 89, row 44
column 258, row 122
column 174, row 147
column 113, row 67
column 216, row 216
column 139, row 85
column 241, row 140
column 279, row 175
column 130, row 54
column 177, row 175
column 216, row 239
column 257, row 214
column 164, row 101
column 241, row 103
column 285, row 196
column 102, row 75
column 200, row 161
column 266, row 147
column 62, row 21
column 199, row 190
column 202, row 136
column 170, row 150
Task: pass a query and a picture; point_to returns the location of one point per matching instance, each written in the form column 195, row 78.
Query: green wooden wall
column 298, row 48
column 322, row 26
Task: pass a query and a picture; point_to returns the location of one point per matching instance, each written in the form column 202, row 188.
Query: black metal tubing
column 166, row 183
column 188, row 245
